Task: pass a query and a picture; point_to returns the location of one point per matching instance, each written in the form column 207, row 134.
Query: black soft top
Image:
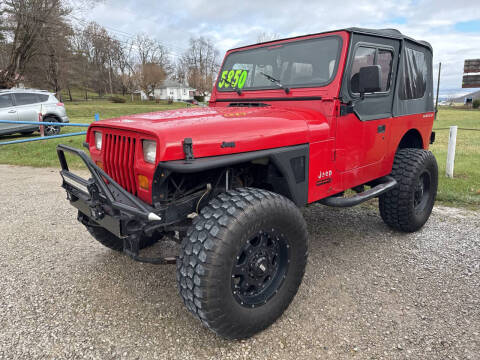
column 386, row 33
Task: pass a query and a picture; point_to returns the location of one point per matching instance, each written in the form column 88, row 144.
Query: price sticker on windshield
column 234, row 79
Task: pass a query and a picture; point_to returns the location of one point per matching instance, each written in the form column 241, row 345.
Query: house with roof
column 468, row 98
column 170, row 89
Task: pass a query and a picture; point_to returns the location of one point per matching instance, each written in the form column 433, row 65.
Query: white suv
column 25, row 105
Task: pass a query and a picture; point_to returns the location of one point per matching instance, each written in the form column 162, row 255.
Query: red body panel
column 344, row 151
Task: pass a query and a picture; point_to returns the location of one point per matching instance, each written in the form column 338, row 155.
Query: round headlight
column 149, row 151
column 98, row 140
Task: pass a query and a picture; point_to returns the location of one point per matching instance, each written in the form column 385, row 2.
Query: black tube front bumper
column 103, row 201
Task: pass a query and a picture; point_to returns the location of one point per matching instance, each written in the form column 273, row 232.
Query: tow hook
column 96, row 209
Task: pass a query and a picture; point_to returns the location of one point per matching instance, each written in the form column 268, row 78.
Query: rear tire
column 50, row 130
column 408, row 206
column 106, row 238
column 242, row 261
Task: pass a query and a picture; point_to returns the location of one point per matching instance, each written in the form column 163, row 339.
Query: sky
column 452, row 27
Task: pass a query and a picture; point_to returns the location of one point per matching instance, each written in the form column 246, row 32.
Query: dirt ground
column 368, row 292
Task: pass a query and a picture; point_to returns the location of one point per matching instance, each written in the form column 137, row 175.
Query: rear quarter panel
column 400, row 126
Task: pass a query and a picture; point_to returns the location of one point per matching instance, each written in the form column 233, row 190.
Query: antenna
column 438, row 88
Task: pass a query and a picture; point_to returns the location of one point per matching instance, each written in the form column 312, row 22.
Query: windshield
column 301, row 63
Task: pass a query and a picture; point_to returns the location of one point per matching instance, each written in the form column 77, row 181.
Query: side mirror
column 369, row 79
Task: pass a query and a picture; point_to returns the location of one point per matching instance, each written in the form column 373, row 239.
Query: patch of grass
column 43, row 153
column 464, row 188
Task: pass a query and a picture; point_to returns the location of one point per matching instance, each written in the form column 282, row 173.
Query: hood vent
column 247, row 104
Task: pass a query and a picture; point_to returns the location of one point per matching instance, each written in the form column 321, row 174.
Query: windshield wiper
column 276, row 82
column 239, row 91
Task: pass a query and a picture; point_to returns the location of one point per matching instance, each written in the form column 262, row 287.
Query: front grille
column 119, row 158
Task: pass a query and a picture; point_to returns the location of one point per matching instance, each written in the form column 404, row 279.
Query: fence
column 43, row 123
column 452, row 144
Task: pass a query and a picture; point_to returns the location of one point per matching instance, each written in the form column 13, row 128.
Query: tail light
column 60, row 104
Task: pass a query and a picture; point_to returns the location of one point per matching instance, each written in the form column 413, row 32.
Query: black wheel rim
column 422, row 192
column 260, row 268
column 52, row 129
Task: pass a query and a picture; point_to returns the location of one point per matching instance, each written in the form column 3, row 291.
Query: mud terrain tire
column 408, row 206
column 244, row 235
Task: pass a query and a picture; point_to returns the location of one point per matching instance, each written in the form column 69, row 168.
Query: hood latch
column 188, row 149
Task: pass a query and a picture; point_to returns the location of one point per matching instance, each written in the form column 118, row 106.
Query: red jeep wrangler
column 290, row 122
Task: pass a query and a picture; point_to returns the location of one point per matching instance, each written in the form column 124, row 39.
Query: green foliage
column 199, row 98
column 476, row 103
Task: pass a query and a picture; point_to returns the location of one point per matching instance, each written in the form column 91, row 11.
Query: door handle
column 381, row 129
column 12, row 111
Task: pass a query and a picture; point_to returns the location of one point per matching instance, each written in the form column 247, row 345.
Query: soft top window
column 369, row 55
column 415, row 73
column 300, row 63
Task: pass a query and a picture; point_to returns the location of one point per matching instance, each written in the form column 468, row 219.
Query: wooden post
column 438, row 89
column 452, row 143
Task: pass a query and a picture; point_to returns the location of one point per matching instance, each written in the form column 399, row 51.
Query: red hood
column 249, row 128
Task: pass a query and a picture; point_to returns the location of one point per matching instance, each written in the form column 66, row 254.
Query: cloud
column 232, row 23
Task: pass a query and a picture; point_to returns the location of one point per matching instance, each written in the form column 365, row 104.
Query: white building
column 171, row 90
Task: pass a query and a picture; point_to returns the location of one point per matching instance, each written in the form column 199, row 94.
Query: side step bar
column 386, row 183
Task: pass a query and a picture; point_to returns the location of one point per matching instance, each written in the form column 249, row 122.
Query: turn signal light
column 143, row 182
column 99, row 164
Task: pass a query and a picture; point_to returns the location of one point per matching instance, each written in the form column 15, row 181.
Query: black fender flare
column 291, row 161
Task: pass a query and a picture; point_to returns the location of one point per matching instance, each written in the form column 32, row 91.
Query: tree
column 28, row 23
column 199, row 65
column 476, row 104
column 50, row 67
column 152, row 63
column 99, row 53
column 151, row 75
column 39, row 45
column 126, row 67
column 149, row 50
column 97, row 56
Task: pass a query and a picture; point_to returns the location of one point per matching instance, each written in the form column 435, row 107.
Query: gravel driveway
column 368, row 293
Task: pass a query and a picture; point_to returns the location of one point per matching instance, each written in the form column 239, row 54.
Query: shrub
column 476, row 103
column 199, row 98
column 117, row 100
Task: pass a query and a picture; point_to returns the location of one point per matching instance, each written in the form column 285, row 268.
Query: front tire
column 408, row 206
column 242, row 261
